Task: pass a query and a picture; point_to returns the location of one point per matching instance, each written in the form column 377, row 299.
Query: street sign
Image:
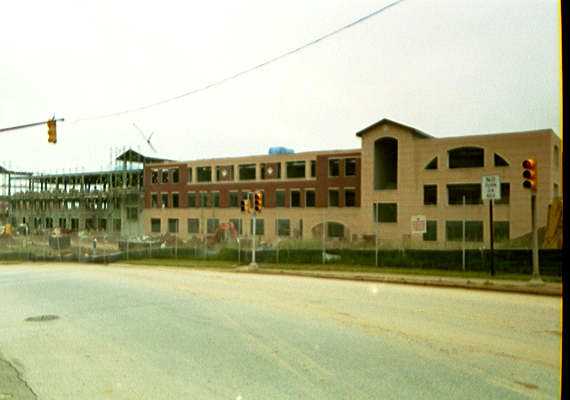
column 419, row 224
column 491, row 187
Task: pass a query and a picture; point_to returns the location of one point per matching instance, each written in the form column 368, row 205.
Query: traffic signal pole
column 13, row 128
column 535, row 267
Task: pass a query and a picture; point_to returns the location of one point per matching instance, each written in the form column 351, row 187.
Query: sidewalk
column 499, row 285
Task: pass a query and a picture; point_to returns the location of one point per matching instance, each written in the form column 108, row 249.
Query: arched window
column 466, row 157
column 386, row 164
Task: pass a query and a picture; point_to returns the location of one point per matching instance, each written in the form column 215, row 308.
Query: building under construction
column 107, row 201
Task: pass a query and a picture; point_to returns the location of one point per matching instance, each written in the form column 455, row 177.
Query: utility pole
column 253, row 264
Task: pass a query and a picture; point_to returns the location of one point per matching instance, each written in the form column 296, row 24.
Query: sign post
column 491, row 190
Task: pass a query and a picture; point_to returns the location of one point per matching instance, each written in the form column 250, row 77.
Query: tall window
column 386, row 164
column 164, row 198
column 350, row 167
column 349, row 197
column 431, row 231
column 191, row 199
column 313, row 168
column 189, row 174
column 154, row 200
column 295, row 198
column 175, row 200
column 155, row 225
column 233, row 199
column 203, row 199
column 175, row 175
column 430, row 194
column 333, row 198
column 280, row 198
column 334, row 167
column 216, row 199
column 310, row 198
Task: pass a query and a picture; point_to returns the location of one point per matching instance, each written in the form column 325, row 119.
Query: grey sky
column 445, row 67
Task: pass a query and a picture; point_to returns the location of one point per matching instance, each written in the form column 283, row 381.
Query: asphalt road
column 167, row 333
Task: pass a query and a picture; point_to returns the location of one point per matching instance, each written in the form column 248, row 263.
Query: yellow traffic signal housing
column 244, row 206
column 52, row 133
column 258, row 201
column 530, row 174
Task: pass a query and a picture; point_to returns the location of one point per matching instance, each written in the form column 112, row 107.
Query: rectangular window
column 237, row 225
column 295, row 169
column 191, row 199
column 430, row 194
column 474, row 231
column 454, row 231
column 189, row 174
column 172, row 225
column 310, row 198
column 501, row 231
column 154, row 200
column 334, row 167
column 349, row 197
column 295, row 198
column 164, row 200
column 216, row 199
column 386, row 212
column 471, row 191
column 233, row 201
column 213, row 224
column 102, row 224
column 505, row 194
column 132, row 213
column 350, row 167
column 175, row 200
column 283, row 227
column 333, row 198
column 193, row 225
column 313, row 168
column 204, row 174
column 270, row 170
column 203, row 199
column 175, row 175
column 431, row 231
column 247, row 172
column 225, row 173
column 259, row 227
column 280, row 198
column 155, row 225
column 116, row 224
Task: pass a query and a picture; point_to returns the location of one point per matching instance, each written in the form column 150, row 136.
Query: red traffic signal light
column 258, row 201
column 530, row 174
column 52, row 133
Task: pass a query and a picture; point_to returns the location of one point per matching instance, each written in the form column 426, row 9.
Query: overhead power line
column 245, row 71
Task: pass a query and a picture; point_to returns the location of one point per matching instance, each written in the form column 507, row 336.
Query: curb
column 552, row 290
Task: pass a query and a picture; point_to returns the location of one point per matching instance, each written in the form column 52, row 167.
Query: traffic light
column 258, row 201
column 52, row 133
column 530, row 174
column 244, row 206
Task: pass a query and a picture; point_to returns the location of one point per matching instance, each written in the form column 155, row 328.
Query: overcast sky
column 445, row 67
